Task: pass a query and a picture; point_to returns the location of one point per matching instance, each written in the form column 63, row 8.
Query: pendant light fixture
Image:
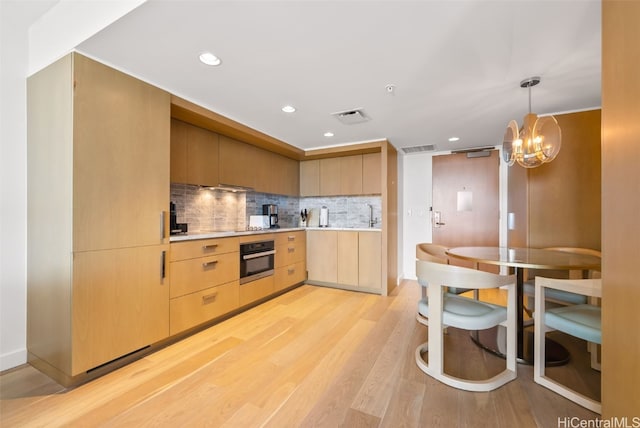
column 537, row 142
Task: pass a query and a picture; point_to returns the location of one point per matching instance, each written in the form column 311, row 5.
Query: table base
column 493, row 340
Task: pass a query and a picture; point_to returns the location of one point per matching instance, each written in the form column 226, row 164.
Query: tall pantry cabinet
column 98, row 180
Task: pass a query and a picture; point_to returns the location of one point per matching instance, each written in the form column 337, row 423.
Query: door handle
column 436, row 219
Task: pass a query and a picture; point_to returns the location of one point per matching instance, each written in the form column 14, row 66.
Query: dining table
column 521, row 259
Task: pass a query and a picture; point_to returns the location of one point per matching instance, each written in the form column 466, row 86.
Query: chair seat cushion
column 583, row 321
column 556, row 295
column 465, row 313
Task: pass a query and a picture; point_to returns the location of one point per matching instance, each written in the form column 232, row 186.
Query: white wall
column 48, row 39
column 416, row 202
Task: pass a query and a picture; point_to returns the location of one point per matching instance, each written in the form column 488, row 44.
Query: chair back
column 455, row 276
column 432, row 252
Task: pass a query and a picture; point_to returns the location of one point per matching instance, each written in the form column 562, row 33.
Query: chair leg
column 593, row 351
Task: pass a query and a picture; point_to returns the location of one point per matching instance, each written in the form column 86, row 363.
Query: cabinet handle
column 163, row 271
column 291, row 249
column 291, row 238
column 209, row 298
column 209, row 246
column 207, row 264
column 163, row 233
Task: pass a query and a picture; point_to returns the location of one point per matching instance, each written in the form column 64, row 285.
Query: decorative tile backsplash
column 216, row 210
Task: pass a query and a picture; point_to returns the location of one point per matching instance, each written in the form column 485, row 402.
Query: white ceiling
column 456, row 64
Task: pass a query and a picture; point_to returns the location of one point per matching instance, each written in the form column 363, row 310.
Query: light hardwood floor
column 311, row 357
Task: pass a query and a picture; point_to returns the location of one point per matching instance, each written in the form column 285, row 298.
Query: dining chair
column 566, row 298
column 438, row 253
column 582, row 321
column 440, row 309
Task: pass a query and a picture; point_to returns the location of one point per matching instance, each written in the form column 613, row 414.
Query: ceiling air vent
column 419, row 149
column 351, row 117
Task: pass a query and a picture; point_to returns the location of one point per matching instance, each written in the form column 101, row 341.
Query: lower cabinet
column 290, row 259
column 347, row 259
column 197, row 308
column 120, row 304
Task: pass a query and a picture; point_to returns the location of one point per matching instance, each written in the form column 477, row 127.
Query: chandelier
column 536, row 142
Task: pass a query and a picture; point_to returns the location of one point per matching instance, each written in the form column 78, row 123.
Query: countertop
column 221, row 234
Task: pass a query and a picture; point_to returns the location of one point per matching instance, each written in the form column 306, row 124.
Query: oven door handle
column 256, row 255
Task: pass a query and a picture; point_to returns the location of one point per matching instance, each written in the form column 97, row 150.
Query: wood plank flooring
column 312, row 357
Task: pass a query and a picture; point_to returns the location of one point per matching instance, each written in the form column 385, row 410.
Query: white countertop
column 350, row 229
column 222, row 234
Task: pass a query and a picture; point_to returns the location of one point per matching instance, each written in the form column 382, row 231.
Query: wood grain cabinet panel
column 371, row 174
column 194, row 154
column 330, row 178
column 196, row 308
column 322, row 255
column 348, row 258
column 237, row 163
column 256, row 290
column 351, row 175
column 120, row 304
column 98, row 166
column 290, row 275
column 178, row 160
column 369, row 260
column 203, row 247
column 188, row 276
column 310, row 178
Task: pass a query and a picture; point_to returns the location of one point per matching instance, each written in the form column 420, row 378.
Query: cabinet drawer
column 283, row 238
column 196, row 308
column 188, row 276
column 203, row 247
column 290, row 253
column 289, row 275
column 254, row 290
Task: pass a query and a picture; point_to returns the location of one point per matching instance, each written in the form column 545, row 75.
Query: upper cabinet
column 346, row 175
column 194, row 154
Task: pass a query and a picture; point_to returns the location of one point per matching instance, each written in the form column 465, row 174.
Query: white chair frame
column 436, row 277
column 587, row 287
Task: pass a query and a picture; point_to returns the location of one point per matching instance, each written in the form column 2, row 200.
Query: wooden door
column 466, row 199
column 310, row 178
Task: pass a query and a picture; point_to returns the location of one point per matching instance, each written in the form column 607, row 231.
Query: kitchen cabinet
column 345, row 259
column 310, row 178
column 194, row 154
column 290, row 259
column 369, row 260
column 98, row 172
column 242, row 164
column 351, row 175
column 322, row 259
column 204, row 281
column 371, row 174
column 338, row 176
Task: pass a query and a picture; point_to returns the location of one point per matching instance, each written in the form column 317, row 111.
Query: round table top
column 532, row 258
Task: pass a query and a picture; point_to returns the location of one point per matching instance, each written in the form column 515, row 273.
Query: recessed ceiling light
column 452, row 139
column 288, row 109
column 209, row 59
column 328, row 134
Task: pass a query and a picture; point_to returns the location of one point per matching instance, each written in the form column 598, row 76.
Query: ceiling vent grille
column 419, row 149
column 351, row 117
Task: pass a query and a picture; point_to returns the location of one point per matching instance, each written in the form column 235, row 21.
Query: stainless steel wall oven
column 256, row 260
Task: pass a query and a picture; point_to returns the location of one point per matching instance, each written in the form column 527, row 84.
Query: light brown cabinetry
column 346, row 175
column 245, row 165
column 369, row 260
column 194, row 154
column 310, row 178
column 98, row 171
column 290, row 259
column 371, row 174
column 346, row 259
column 204, row 281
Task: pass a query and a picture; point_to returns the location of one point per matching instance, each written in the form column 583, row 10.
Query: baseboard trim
column 13, row 359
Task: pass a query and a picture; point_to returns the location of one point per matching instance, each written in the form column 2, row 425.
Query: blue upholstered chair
column 438, row 254
column 582, row 321
column 440, row 309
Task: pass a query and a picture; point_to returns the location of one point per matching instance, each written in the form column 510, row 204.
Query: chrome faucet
column 372, row 221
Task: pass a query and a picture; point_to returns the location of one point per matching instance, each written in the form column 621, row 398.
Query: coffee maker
column 271, row 210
